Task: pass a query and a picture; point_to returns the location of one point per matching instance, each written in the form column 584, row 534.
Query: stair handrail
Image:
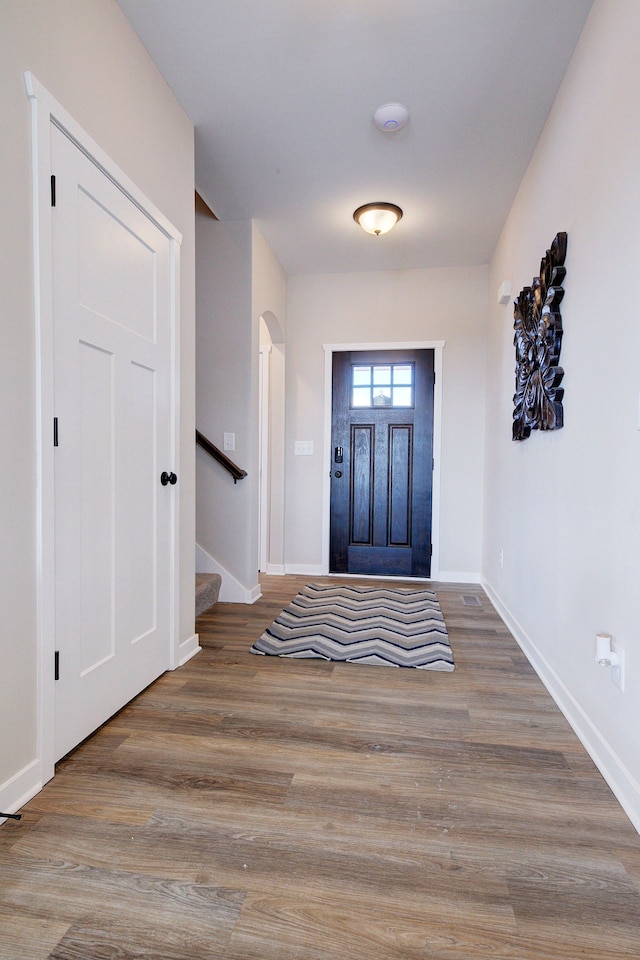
column 236, row 472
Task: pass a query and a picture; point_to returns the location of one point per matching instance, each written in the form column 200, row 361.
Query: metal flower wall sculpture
column 537, row 402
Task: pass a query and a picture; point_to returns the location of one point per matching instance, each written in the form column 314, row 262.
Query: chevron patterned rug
column 399, row 627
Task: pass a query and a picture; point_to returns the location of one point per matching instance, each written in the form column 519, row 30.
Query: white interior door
column 112, row 342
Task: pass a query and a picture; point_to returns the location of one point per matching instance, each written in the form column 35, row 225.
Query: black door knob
column 166, row 478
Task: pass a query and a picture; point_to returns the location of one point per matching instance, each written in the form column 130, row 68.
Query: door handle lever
column 166, row 478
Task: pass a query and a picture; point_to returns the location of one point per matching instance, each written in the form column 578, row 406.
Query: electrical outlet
column 617, row 670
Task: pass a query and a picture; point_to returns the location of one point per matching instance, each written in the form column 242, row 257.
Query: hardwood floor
column 250, row 807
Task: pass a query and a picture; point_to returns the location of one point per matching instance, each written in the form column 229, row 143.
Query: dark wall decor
column 537, row 402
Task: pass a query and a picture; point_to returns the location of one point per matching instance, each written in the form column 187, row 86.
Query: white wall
column 408, row 305
column 565, row 506
column 238, row 281
column 225, row 400
column 89, row 59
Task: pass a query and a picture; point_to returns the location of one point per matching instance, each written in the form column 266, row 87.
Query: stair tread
column 207, row 591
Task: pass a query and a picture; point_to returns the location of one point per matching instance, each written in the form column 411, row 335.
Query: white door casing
column 329, row 349
column 264, row 417
column 125, row 598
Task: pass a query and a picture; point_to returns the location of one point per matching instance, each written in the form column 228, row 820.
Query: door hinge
column 56, row 665
column 55, row 431
column 53, row 189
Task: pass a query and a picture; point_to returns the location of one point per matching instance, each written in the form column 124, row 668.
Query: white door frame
column 46, row 110
column 264, row 418
column 329, row 349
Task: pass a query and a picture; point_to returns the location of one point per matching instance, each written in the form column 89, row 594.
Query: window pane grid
column 382, row 385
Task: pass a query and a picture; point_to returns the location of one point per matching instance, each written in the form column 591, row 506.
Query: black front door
column 382, row 462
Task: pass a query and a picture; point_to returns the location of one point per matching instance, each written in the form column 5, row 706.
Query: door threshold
column 373, row 576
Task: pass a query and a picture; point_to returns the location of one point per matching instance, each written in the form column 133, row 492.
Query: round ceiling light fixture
column 390, row 117
column 377, row 218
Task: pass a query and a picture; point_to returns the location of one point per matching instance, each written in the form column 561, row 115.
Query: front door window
column 382, row 385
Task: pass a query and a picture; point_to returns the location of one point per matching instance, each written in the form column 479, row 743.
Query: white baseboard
column 304, row 569
column 275, row 569
column 254, row 594
column 231, row 590
column 622, row 783
column 188, row 649
column 458, row 576
column 21, row 788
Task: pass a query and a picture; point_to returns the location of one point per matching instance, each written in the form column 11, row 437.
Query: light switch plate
column 229, row 441
column 303, row 448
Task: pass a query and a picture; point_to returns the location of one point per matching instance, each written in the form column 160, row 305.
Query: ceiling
column 282, row 95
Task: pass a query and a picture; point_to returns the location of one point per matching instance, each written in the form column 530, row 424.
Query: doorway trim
column 45, row 110
column 329, row 349
column 264, row 420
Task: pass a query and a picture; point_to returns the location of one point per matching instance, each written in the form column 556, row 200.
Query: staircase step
column 207, row 591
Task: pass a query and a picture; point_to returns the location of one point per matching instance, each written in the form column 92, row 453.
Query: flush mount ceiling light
column 390, row 117
column 377, row 218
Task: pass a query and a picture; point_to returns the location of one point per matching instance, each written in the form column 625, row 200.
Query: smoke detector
column 390, row 117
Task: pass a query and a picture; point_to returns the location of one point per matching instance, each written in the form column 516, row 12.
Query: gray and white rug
column 399, row 627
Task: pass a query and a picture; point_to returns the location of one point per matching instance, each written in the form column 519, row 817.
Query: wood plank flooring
column 257, row 808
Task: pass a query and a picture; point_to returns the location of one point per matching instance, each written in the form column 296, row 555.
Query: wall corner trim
column 188, row 649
